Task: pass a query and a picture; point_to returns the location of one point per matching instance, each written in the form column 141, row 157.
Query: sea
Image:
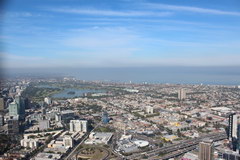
column 172, row 75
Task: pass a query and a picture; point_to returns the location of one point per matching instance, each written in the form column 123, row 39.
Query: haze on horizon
column 121, row 33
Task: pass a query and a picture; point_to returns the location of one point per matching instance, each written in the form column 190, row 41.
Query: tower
column 13, row 109
column 206, row 149
column 2, row 104
column 181, row 94
column 105, row 118
column 234, row 131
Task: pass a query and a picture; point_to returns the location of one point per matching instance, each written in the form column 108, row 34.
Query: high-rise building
column 13, row 109
column 181, row 94
column 206, row 149
column 21, row 104
column 2, row 104
column 234, row 131
column 13, row 125
column 78, row 126
column 105, row 118
column 1, row 120
column 17, row 108
column 233, row 123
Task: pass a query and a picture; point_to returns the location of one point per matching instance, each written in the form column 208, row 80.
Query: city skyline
column 123, row 33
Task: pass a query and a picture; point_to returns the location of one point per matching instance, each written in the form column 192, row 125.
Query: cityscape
column 45, row 118
column 119, row 80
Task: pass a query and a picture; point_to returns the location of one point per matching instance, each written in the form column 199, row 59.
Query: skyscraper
column 105, row 118
column 13, row 109
column 232, row 125
column 1, row 120
column 1, row 104
column 13, row 125
column 21, row 104
column 181, row 94
column 17, row 108
column 234, row 131
column 206, row 149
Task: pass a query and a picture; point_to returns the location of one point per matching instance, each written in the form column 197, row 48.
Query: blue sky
column 120, row 33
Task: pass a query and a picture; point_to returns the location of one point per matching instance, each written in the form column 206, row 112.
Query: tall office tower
column 13, row 125
column 232, row 121
column 1, row 104
column 27, row 103
column 234, row 131
column 78, row 126
column 1, row 120
column 13, row 109
column 181, row 94
column 105, row 118
column 206, row 149
column 21, row 105
column 238, row 138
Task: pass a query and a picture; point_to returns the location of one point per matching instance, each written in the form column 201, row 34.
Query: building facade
column 78, row 126
column 206, row 149
column 13, row 125
column 234, row 131
column 182, row 94
column 2, row 104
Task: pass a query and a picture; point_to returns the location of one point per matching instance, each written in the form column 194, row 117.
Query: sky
column 120, row 33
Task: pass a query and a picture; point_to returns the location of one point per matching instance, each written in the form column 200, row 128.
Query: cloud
column 22, row 14
column 190, row 9
column 97, row 12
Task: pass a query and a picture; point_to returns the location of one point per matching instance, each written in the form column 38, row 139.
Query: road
column 179, row 146
column 71, row 155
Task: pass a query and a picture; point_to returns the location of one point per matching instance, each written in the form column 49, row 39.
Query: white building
column 48, row 100
column 58, row 117
column 29, row 143
column 68, row 141
column 78, row 126
column 234, row 121
column 149, row 110
column 99, row 138
column 182, row 94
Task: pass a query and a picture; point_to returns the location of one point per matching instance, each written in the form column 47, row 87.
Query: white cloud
column 190, row 9
column 98, row 12
column 22, row 14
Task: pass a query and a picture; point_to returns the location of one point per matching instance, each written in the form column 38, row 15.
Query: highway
column 182, row 146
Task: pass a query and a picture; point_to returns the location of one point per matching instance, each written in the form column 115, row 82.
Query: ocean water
column 176, row 75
